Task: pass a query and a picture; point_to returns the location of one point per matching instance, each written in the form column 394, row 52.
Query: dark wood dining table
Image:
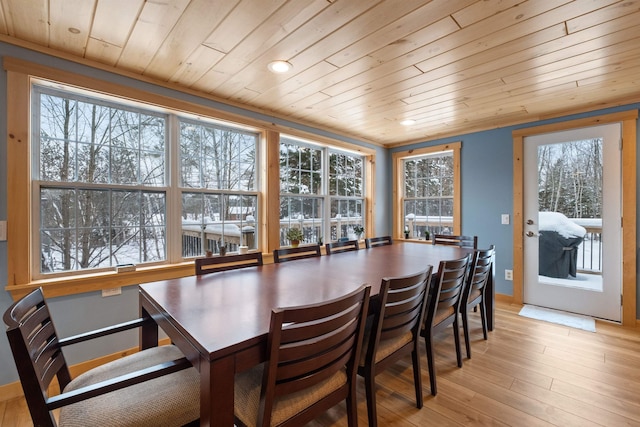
column 220, row 321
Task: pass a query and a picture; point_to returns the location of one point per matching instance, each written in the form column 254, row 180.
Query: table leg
column 148, row 331
column 216, row 392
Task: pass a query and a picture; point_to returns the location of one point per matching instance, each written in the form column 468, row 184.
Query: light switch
column 3, row 231
column 505, row 218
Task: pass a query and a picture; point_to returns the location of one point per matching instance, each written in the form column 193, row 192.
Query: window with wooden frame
column 427, row 191
column 104, row 196
column 322, row 191
column 164, row 163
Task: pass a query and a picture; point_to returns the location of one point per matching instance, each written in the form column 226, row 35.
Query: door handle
column 529, row 222
column 530, row 234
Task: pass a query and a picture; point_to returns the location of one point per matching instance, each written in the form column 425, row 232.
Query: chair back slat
column 459, row 241
column 228, row 262
column 325, row 354
column 401, row 320
column 452, row 281
column 322, row 341
column 306, row 331
column 342, row 246
column 372, row 242
column 301, row 252
column 45, row 350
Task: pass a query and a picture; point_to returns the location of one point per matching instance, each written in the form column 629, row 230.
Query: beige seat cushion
column 475, row 293
column 171, row 400
column 441, row 314
column 248, row 386
column 385, row 348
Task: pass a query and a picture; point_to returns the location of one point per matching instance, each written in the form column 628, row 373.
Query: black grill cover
column 558, row 255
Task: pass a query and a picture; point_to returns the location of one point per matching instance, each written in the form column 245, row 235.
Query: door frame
column 629, row 283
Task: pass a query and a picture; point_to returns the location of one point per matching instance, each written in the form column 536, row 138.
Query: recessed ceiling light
column 408, row 122
column 279, row 66
column 73, row 30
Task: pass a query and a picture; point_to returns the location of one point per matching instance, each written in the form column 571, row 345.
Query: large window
column 427, row 187
column 106, row 192
column 321, row 191
column 102, row 174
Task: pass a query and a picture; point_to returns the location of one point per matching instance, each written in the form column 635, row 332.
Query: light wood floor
column 529, row 373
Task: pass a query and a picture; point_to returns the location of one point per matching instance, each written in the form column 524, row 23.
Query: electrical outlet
column 508, row 275
column 111, row 292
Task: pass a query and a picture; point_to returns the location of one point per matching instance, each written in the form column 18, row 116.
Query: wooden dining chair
column 459, row 241
column 342, row 246
column 377, row 241
column 228, row 262
column 301, row 252
column 394, row 332
column 157, row 386
column 312, row 358
column 443, row 307
column 474, row 295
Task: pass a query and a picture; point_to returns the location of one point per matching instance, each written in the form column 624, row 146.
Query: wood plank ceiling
column 360, row 67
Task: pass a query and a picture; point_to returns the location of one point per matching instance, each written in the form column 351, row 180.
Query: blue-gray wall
column 486, row 163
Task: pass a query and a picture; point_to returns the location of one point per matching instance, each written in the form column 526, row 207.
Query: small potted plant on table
column 294, row 235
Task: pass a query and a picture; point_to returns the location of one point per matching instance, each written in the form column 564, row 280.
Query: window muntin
column 321, row 191
column 87, row 228
column 346, row 175
column 102, row 175
column 428, row 194
column 83, row 140
column 300, row 168
column 216, row 157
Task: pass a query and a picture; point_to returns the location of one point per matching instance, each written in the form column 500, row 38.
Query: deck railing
column 419, row 227
column 312, row 228
column 589, row 259
column 232, row 236
column 216, row 235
